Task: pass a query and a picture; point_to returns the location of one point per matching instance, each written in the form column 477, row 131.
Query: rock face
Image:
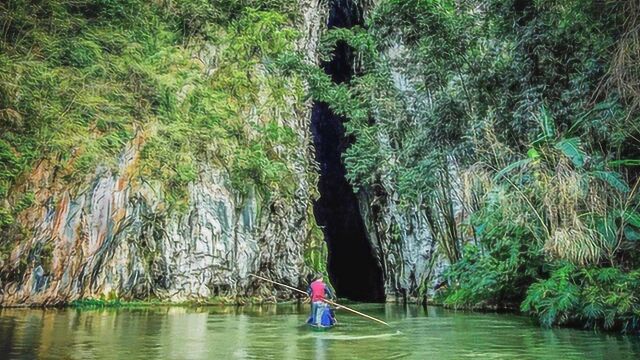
column 404, row 241
column 114, row 238
column 403, row 236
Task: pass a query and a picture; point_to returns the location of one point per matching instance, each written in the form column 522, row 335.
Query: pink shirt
column 317, row 290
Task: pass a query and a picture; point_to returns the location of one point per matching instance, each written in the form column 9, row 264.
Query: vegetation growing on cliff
column 188, row 81
column 523, row 115
column 510, row 125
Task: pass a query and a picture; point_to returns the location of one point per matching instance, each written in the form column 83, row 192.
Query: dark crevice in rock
column 353, row 269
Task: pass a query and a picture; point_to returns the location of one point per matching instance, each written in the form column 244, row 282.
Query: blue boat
column 323, row 318
column 320, row 327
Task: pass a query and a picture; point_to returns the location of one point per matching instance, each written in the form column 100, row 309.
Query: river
column 277, row 332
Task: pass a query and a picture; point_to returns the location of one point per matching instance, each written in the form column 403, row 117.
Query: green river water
column 277, row 332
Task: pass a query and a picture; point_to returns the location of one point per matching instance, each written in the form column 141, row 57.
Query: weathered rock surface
column 402, row 236
column 114, row 238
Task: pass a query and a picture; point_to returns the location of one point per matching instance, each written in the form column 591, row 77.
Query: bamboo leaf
column 547, row 124
column 624, row 162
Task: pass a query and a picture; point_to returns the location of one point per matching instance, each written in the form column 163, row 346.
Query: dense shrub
column 594, row 297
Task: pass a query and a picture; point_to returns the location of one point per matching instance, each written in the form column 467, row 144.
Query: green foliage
column 189, row 84
column 507, row 97
column 464, row 69
column 100, row 303
column 78, row 87
column 316, row 252
column 497, row 271
column 571, row 148
column 596, row 297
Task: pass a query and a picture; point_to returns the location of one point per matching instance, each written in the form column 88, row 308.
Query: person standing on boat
column 318, row 291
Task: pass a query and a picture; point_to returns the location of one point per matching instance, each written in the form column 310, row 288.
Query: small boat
column 323, row 319
column 320, row 327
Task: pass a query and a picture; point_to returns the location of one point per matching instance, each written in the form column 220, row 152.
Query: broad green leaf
column 571, row 148
column 614, row 179
column 631, row 234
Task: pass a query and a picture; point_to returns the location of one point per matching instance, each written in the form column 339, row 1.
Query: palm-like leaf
column 614, row 179
column 632, row 217
column 571, row 148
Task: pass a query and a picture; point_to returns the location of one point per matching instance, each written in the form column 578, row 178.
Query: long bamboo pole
column 325, row 300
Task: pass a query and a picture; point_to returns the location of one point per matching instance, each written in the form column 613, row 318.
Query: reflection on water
column 277, row 332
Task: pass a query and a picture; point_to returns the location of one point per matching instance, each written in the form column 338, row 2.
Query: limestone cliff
column 113, row 235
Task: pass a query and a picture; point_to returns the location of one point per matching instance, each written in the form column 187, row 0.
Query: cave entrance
column 352, row 265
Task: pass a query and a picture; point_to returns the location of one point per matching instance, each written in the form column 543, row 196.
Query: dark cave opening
column 353, row 268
